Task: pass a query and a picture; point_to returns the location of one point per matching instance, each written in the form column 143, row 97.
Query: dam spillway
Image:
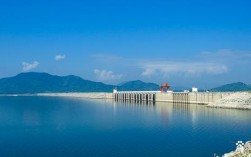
column 173, row 97
column 135, row 96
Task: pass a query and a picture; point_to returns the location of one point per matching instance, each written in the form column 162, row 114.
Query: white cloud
column 186, row 68
column 105, row 75
column 107, row 58
column 225, row 54
column 29, row 66
column 60, row 57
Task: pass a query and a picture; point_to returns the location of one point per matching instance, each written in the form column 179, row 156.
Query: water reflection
column 167, row 109
column 134, row 102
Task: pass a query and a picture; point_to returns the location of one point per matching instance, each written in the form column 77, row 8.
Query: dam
column 203, row 98
column 166, row 95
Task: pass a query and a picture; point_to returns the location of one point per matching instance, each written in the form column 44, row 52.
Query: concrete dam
column 150, row 97
column 173, row 97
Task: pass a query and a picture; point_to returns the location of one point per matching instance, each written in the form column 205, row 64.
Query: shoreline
column 87, row 95
column 14, row 95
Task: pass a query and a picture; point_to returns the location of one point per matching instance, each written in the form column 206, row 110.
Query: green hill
column 238, row 86
column 42, row 82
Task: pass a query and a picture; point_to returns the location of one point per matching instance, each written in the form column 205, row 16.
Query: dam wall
column 150, row 96
column 173, row 97
column 191, row 97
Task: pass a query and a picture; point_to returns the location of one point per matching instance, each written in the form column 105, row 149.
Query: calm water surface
column 51, row 127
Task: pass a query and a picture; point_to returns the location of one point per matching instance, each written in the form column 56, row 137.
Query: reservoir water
column 75, row 127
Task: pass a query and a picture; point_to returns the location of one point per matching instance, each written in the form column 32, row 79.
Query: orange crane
column 165, row 86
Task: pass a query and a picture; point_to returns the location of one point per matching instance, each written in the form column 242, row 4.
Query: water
column 53, row 126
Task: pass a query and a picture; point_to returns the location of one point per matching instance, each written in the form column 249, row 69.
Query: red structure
column 165, row 86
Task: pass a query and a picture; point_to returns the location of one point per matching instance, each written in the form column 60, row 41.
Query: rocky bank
column 238, row 100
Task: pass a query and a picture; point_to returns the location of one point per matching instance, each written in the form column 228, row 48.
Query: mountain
column 238, row 86
column 138, row 86
column 42, row 82
column 32, row 82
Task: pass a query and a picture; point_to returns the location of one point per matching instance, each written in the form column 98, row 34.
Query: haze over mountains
column 32, row 82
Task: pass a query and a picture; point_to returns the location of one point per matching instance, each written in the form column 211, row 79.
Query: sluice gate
column 181, row 98
column 135, row 96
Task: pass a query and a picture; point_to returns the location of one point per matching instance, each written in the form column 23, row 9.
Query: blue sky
column 186, row 43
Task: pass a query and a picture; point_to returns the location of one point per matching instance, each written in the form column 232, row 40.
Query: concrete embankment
column 239, row 100
column 97, row 95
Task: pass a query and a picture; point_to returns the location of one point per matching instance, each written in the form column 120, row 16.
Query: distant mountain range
column 42, row 82
column 33, row 82
column 238, row 86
